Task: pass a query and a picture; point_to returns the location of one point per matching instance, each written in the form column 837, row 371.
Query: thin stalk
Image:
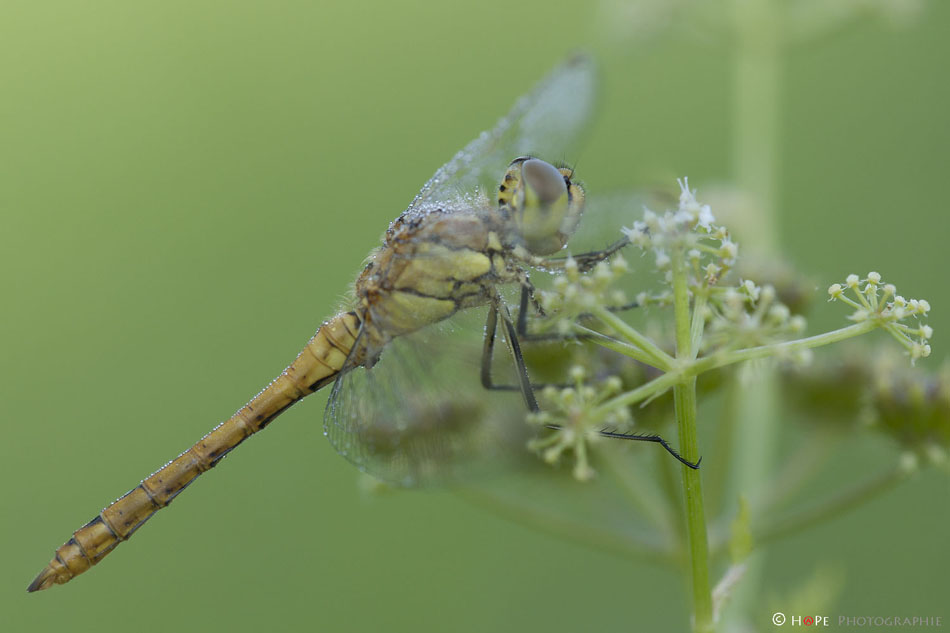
column 684, row 399
column 629, row 477
column 803, row 465
column 620, row 347
column 698, row 325
column 647, row 390
column 756, row 115
column 831, row 507
column 779, row 349
column 685, row 369
column 661, row 359
column 627, row 544
column 673, row 494
column 721, row 450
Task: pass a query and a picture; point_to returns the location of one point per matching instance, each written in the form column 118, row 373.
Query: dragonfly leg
column 488, row 350
column 488, row 347
column 528, row 296
column 656, row 439
column 523, row 336
column 520, row 330
column 586, row 261
column 514, row 347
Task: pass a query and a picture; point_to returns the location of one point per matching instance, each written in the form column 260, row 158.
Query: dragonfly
column 393, row 355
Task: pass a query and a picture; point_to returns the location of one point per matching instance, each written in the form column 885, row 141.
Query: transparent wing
column 420, row 415
column 545, row 123
column 605, row 215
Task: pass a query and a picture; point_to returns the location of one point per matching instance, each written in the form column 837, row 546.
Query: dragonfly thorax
column 429, row 268
column 542, row 203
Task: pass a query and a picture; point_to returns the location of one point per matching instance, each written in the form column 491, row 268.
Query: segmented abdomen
column 317, row 365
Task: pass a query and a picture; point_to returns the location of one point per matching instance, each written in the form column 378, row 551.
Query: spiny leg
column 488, row 347
column 522, row 334
column 525, row 386
column 488, row 351
column 656, row 439
column 586, row 261
column 525, row 383
column 528, row 296
column 496, row 307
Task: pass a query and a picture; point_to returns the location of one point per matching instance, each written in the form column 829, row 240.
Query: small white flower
column 618, row 298
column 650, row 220
column 706, row 218
column 779, row 312
column 729, row 250
column 683, row 217
column 797, row 323
column 751, row 289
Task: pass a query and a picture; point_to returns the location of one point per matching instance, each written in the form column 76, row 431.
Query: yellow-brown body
column 433, row 263
column 315, row 366
column 427, row 270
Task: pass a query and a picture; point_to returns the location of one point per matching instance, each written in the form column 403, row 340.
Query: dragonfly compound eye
column 550, row 206
column 544, row 181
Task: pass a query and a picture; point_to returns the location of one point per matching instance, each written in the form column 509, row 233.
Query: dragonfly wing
column 546, row 123
column 420, row 415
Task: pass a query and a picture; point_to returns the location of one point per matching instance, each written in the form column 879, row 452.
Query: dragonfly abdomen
column 317, row 364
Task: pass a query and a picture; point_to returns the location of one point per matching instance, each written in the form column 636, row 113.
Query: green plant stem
column 698, row 324
column 801, row 467
column 626, row 544
column 722, row 446
column 833, row 506
column 673, row 493
column 756, row 112
column 629, row 477
column 684, row 399
column 620, row 347
column 645, row 391
column 660, row 359
column 782, row 349
column 686, row 369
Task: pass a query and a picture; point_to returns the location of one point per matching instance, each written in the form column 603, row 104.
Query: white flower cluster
column 749, row 315
column 691, row 226
column 575, row 293
column 876, row 300
column 569, row 414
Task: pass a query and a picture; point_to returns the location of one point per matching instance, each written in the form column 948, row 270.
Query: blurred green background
column 187, row 189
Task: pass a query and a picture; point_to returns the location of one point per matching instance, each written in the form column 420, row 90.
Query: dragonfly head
column 544, row 205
